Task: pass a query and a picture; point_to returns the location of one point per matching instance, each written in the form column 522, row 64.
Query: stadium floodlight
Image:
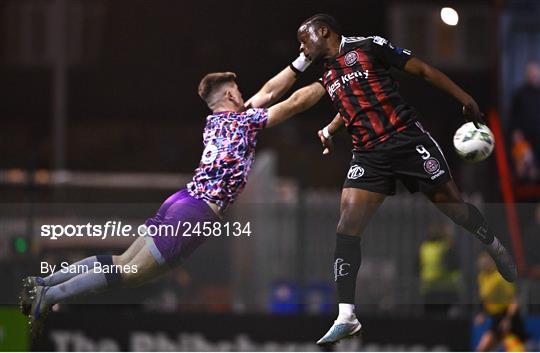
column 449, row 16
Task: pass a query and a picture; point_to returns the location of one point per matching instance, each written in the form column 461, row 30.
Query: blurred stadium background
column 101, row 121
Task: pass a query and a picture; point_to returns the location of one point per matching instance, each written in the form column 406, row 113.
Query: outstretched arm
column 417, row 67
column 301, row 100
column 328, row 131
column 276, row 87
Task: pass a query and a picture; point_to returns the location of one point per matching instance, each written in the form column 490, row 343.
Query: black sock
column 113, row 278
column 477, row 225
column 347, row 259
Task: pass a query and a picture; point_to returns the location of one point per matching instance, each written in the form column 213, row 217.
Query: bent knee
column 120, row 259
column 349, row 225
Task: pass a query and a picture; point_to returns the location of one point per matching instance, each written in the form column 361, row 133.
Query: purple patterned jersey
column 229, row 139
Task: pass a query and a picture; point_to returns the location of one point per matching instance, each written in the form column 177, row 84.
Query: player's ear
column 324, row 32
column 230, row 96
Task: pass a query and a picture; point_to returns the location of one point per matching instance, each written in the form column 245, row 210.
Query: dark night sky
column 136, row 108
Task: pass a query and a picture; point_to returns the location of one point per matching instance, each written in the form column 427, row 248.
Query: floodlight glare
column 449, row 16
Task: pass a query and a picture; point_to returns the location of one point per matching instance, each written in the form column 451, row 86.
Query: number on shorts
column 423, row 152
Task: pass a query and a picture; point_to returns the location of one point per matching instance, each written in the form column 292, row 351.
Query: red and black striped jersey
column 364, row 92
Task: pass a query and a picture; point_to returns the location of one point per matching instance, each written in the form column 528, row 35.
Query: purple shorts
column 169, row 228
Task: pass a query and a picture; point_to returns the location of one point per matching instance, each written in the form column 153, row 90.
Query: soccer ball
column 472, row 144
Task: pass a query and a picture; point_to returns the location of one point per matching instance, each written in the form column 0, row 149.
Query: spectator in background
column 499, row 304
column 440, row 277
column 526, row 107
column 523, row 157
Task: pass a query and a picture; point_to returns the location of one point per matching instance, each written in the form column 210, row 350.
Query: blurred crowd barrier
column 283, row 263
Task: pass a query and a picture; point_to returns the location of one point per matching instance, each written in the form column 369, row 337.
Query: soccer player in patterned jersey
column 389, row 144
column 230, row 137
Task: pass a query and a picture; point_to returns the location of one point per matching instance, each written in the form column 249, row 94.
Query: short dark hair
column 323, row 19
column 213, row 81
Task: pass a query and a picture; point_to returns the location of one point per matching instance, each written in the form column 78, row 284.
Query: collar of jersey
column 341, row 44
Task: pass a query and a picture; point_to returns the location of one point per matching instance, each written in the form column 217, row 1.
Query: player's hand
column 327, row 144
column 472, row 113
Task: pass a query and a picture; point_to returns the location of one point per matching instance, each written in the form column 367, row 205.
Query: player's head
column 316, row 34
column 220, row 91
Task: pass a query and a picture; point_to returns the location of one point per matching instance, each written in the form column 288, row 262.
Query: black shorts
column 411, row 156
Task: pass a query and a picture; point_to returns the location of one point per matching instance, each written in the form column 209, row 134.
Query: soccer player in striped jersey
column 229, row 138
column 389, row 144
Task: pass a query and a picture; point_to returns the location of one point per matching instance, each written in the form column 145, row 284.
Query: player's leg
column 357, row 208
column 58, row 277
column 155, row 256
column 89, row 263
column 420, row 163
column 147, row 264
column 41, row 297
column 141, row 261
column 130, row 252
column 29, row 283
column 106, row 276
column 448, row 199
column 101, row 278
